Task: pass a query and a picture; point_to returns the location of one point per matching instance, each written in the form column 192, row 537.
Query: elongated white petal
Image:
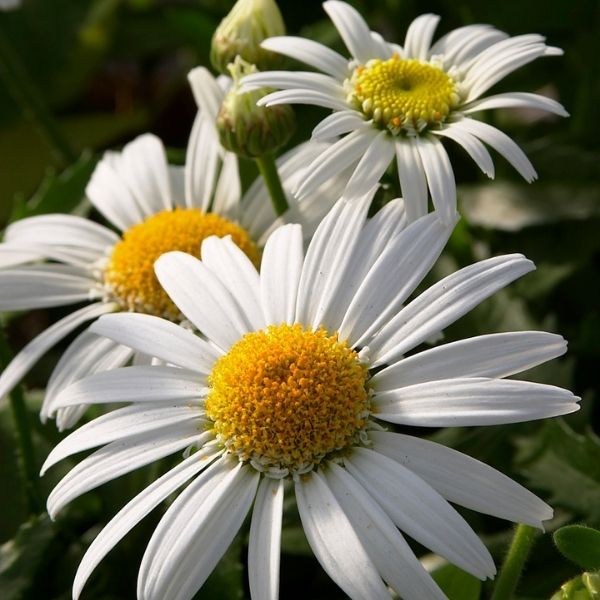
column 202, row 298
column 134, row 511
column 443, row 303
column 23, row 288
column 338, row 123
column 326, row 257
column 237, row 273
column 501, row 143
column 289, row 80
column 440, row 177
column 207, row 92
column 145, row 169
column 304, row 96
column 17, row 253
column 336, row 158
column 118, row 458
column 119, row 424
column 466, row 401
column 334, row 541
column 30, row 354
column 265, row 540
column 419, row 36
column 158, row 337
column 459, row 45
column 354, row 31
column 228, row 193
column 371, row 166
column 476, row 150
column 416, row 508
column 495, row 355
column 385, row 545
column 280, row 272
column 209, row 525
column 312, row 53
column 516, row 100
column 462, row 479
column 14, row 254
column 63, row 230
column 412, row 178
column 151, row 383
column 396, row 273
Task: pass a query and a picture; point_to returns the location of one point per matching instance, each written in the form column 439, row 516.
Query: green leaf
column 580, row 545
column 21, row 557
column 457, row 584
column 565, row 464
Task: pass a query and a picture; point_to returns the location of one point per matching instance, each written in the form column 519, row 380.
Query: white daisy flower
column 58, row 259
column 302, row 366
column 393, row 101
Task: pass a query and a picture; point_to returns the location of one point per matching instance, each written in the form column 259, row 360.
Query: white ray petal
column 419, row 35
column 495, row 355
column 237, row 273
column 14, row 254
column 228, row 193
column 202, row 297
column 516, row 100
column 119, row 458
column 134, row 511
column 501, row 143
column 160, row 338
column 207, row 92
column 468, row 401
column 338, row 123
column 209, row 526
column 445, row 302
column 476, row 150
column 412, row 178
column 440, row 177
column 280, row 272
column 392, row 556
column 304, row 96
column 265, row 540
column 121, row 423
column 30, row 354
column 336, row 158
column 312, row 53
column 416, row 508
column 396, row 273
column 334, row 541
column 354, row 31
column 289, row 80
column 462, row 479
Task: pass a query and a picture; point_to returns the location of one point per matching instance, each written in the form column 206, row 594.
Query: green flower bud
column 584, row 587
column 249, row 130
column 241, row 32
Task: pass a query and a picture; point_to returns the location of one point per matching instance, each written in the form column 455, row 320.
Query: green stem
column 26, row 454
column 521, row 545
column 268, row 170
column 28, row 97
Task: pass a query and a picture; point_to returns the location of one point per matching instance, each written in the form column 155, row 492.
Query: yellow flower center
column 284, row 398
column 129, row 276
column 402, row 95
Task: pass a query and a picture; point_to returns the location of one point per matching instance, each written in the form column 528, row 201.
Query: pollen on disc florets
column 129, row 273
column 402, row 95
column 285, row 397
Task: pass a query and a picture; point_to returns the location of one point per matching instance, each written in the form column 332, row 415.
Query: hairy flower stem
column 268, row 170
column 32, row 104
column 26, row 456
column 510, row 572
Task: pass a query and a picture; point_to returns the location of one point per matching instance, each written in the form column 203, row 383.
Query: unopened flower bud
column 584, row 587
column 240, row 33
column 249, row 130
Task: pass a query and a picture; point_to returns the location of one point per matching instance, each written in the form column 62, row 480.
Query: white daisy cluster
column 280, row 352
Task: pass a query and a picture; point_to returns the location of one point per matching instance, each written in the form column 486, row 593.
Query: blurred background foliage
column 110, row 69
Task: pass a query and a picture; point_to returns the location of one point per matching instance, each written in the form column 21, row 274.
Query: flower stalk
column 268, row 170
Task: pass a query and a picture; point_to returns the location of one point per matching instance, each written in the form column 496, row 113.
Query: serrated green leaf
column 565, row 464
column 580, row 545
column 456, row 584
column 21, row 557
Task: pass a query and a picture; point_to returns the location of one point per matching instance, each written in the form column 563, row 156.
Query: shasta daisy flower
column 55, row 260
column 302, row 367
column 400, row 101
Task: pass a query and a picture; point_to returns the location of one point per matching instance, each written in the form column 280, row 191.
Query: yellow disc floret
column 129, row 275
column 402, row 94
column 285, row 397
